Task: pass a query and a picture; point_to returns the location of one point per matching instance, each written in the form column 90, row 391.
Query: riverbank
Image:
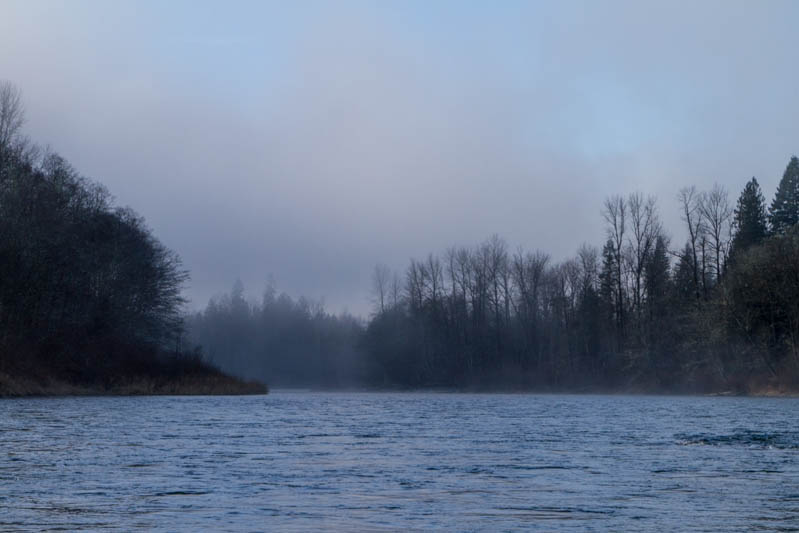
column 757, row 389
column 193, row 385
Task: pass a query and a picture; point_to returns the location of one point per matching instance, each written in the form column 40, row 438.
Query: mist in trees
column 279, row 340
column 635, row 315
column 87, row 290
column 716, row 312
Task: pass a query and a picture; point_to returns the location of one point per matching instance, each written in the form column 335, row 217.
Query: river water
column 300, row 461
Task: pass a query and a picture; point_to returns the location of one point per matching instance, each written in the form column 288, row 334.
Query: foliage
column 784, row 212
column 627, row 317
column 84, row 285
column 750, row 218
column 89, row 293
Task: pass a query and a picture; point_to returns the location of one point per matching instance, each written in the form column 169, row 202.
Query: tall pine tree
column 784, row 212
column 750, row 218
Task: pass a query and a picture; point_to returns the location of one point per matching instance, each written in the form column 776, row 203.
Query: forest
column 90, row 300
column 89, row 296
column 717, row 313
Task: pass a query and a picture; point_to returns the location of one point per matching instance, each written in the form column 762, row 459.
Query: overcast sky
column 311, row 140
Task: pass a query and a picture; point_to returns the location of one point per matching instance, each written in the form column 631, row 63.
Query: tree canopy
column 750, row 221
column 784, row 211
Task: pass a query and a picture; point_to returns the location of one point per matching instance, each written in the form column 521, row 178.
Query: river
column 300, row 461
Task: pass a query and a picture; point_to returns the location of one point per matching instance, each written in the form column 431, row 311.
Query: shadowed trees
column 764, row 303
column 627, row 316
column 714, row 206
column 784, row 211
column 77, row 272
column 84, row 285
column 718, row 312
column 614, row 213
column 751, row 225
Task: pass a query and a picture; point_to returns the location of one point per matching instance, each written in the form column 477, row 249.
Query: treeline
column 721, row 312
column 87, row 294
column 287, row 342
column 718, row 312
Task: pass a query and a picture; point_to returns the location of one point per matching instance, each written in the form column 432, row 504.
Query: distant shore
column 761, row 391
column 221, row 384
column 215, row 382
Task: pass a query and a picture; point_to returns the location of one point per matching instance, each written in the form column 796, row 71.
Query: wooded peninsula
column 90, row 300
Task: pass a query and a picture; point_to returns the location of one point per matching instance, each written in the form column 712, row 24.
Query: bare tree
column 395, row 290
column 690, row 202
column 434, row 279
column 12, row 113
column 528, row 272
column 644, row 227
column 381, row 285
column 499, row 277
column 615, row 215
column 588, row 256
column 716, row 212
column 414, row 285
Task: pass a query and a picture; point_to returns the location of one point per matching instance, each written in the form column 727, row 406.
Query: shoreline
column 224, row 385
column 214, row 385
column 758, row 393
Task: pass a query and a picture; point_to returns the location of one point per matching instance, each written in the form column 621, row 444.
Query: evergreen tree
column 607, row 289
column 784, row 211
column 684, row 284
column 750, row 218
column 657, row 277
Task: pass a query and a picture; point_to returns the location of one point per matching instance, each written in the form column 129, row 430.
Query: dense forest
column 88, row 296
column 719, row 312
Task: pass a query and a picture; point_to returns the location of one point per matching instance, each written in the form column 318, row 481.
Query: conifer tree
column 784, row 212
column 608, row 276
column 657, row 275
column 750, row 218
column 683, row 280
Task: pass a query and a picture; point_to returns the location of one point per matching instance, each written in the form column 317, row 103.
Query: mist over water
column 297, row 461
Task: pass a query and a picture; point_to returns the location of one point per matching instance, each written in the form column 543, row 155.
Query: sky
column 304, row 142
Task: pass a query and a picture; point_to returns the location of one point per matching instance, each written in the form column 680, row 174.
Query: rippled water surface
column 317, row 461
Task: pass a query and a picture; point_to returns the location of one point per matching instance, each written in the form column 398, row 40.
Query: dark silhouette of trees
column 690, row 203
column 764, row 303
column 717, row 216
column 623, row 317
column 87, row 293
column 751, row 226
column 784, row 212
column 635, row 315
column 77, row 272
column 615, row 213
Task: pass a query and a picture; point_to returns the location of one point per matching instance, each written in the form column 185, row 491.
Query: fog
column 309, row 141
